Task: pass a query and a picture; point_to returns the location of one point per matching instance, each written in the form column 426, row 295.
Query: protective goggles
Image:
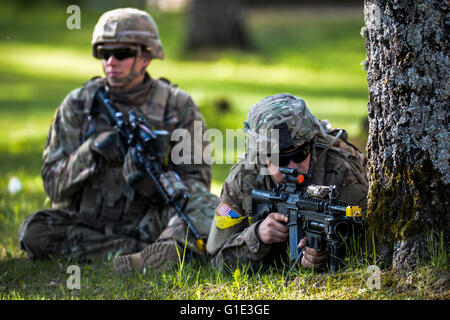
column 298, row 155
column 119, row 53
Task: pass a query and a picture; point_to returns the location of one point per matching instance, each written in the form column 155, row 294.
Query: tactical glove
column 109, row 147
column 135, row 174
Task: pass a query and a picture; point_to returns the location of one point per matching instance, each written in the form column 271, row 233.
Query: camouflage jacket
column 76, row 180
column 341, row 165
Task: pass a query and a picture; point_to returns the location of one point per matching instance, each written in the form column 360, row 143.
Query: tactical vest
column 106, row 201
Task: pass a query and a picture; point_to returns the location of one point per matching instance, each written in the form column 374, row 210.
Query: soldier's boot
column 158, row 256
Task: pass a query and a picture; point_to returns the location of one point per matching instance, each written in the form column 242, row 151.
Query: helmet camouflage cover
column 270, row 113
column 128, row 25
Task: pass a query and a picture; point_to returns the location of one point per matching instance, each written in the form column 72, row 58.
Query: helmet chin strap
column 124, row 81
column 312, row 162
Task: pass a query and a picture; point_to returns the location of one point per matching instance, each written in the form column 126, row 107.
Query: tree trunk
column 407, row 72
column 217, row 24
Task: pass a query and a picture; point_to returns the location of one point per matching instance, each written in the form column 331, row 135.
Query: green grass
column 311, row 54
column 196, row 280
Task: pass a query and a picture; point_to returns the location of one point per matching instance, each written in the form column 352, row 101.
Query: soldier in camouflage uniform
column 87, row 172
column 323, row 155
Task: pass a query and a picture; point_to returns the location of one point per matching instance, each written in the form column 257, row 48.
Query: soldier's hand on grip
column 134, row 174
column 109, row 147
column 312, row 257
column 273, row 228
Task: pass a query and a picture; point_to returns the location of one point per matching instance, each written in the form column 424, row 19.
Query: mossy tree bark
column 407, row 72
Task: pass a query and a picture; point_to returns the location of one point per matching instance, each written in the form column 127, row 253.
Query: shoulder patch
column 225, row 210
column 227, row 217
column 161, row 93
column 227, row 222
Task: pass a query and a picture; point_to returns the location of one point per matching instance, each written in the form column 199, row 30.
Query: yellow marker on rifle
column 353, row 211
column 200, row 245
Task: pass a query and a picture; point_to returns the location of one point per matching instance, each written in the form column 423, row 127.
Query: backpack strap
column 333, row 141
column 155, row 108
column 336, row 140
column 90, row 88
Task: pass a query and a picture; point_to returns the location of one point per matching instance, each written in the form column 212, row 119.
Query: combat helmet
column 295, row 123
column 132, row 27
column 128, row 25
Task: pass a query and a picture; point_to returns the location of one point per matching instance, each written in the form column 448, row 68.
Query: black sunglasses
column 298, row 155
column 118, row 53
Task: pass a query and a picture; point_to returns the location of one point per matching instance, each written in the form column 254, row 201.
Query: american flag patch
column 225, row 210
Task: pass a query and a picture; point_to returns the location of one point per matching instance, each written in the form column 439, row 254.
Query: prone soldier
column 300, row 142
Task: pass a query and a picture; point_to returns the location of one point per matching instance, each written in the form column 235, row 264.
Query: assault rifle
column 134, row 132
column 312, row 212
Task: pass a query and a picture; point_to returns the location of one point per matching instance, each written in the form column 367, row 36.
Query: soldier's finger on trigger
column 278, row 217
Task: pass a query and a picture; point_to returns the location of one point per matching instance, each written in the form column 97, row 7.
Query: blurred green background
column 309, row 51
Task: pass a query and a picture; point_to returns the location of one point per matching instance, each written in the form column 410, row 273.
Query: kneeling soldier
column 102, row 201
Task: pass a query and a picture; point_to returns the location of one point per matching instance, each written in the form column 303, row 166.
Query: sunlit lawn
column 315, row 55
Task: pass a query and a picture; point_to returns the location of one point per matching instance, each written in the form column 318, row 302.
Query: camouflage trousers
column 62, row 233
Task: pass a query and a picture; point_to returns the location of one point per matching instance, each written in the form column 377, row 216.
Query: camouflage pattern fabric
column 61, row 233
column 93, row 211
column 264, row 115
column 130, row 26
column 338, row 163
